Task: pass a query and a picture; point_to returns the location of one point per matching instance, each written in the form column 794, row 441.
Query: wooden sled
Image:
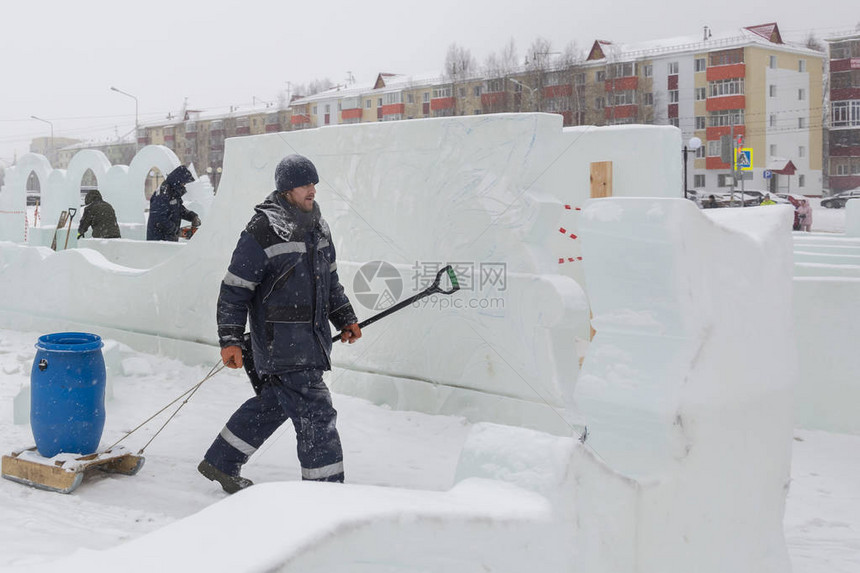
column 64, row 472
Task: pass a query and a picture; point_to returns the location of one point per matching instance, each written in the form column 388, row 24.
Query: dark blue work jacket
column 283, row 278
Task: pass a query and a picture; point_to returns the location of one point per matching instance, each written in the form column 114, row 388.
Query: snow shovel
column 432, row 289
column 60, row 224
column 72, row 212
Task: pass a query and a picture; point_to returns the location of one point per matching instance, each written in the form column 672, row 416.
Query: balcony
column 393, row 109
column 300, row 119
column 621, row 111
column 725, row 102
column 714, row 133
column 621, row 84
column 550, row 92
column 441, row 103
column 727, row 72
column 354, row 113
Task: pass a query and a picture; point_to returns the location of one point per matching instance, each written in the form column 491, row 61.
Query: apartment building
column 844, row 95
column 747, row 89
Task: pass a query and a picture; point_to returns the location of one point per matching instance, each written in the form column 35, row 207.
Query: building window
column 772, row 120
column 426, row 97
column 726, row 117
column 772, row 63
column 648, row 70
column 801, row 123
column 625, row 70
column 714, row 148
column 734, row 86
column 462, row 92
column 674, row 121
column 801, row 151
column 673, row 96
column 701, row 93
column 477, row 91
column 600, row 75
column 625, row 97
column 599, row 103
column 648, row 98
column 314, row 110
column 846, row 113
column 698, row 180
column 726, row 57
column 392, row 98
column 772, row 90
column 673, row 68
column 801, row 180
column 700, row 153
column 724, row 180
column 441, row 92
column 772, row 149
column 700, row 122
column 801, row 94
column 801, row 65
column 700, row 64
column 410, row 98
column 495, row 86
column 379, row 102
column 579, row 79
column 367, row 104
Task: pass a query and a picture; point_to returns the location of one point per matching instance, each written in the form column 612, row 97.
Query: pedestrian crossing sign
column 744, row 159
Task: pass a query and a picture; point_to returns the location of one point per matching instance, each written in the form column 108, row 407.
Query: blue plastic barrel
column 67, row 393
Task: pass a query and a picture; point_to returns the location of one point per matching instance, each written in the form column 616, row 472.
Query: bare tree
column 459, row 66
column 459, row 63
column 813, row 43
column 570, row 56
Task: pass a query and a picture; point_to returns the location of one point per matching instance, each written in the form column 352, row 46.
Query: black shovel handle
column 432, row 289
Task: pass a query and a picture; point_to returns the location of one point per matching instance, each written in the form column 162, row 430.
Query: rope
column 187, row 394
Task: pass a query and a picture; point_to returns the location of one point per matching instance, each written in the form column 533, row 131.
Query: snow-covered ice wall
column 687, row 390
column 485, row 193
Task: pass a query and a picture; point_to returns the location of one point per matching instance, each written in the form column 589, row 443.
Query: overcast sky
column 59, row 59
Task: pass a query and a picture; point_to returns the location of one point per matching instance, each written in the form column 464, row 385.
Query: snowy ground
column 382, row 447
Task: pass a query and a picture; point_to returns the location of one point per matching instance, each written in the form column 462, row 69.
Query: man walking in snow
column 166, row 210
column 283, row 279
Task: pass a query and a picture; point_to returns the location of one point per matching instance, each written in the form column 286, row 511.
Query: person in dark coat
column 99, row 215
column 283, row 280
column 166, row 211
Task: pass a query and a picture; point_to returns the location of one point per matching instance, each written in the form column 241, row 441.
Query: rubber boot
column 231, row 484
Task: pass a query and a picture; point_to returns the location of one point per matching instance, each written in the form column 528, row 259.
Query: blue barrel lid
column 70, row 342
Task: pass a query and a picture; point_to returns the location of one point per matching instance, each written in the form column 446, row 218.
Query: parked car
column 750, row 198
column 838, row 201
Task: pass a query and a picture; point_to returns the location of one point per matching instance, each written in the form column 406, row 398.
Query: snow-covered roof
column 383, row 83
column 764, row 34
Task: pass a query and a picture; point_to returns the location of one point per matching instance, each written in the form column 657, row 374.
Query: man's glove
column 80, row 236
column 195, row 222
column 350, row 333
column 232, row 356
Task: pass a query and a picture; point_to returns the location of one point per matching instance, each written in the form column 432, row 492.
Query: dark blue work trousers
column 298, row 396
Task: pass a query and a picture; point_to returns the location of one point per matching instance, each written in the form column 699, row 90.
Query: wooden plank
column 601, row 179
column 40, row 475
column 65, row 475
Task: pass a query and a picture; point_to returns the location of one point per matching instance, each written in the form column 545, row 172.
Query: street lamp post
column 135, row 111
column 522, row 85
column 692, row 145
column 52, row 132
column 214, row 175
